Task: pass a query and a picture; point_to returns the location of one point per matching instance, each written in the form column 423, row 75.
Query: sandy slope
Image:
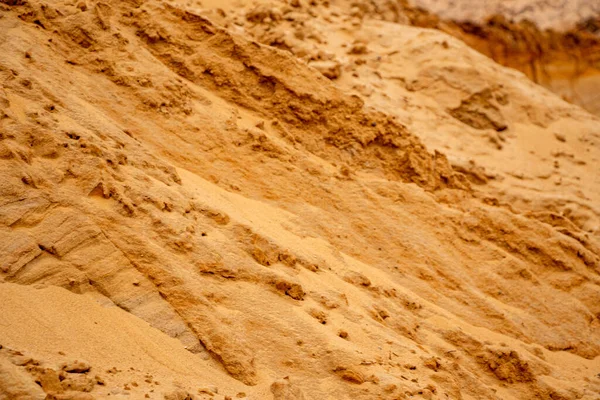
column 122, row 350
column 301, row 239
column 556, row 44
column 506, row 133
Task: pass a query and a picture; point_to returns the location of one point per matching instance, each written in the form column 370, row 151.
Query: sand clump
column 191, row 208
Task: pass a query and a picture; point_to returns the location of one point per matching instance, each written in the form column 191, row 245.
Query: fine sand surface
column 277, row 200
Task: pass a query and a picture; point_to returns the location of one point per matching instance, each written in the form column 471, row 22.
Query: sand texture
column 288, row 201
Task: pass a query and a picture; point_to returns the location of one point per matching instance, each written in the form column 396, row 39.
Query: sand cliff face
column 286, row 201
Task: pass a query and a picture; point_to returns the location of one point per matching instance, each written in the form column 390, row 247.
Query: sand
column 546, row 14
column 219, row 200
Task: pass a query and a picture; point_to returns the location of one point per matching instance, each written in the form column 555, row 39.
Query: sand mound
column 370, row 211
